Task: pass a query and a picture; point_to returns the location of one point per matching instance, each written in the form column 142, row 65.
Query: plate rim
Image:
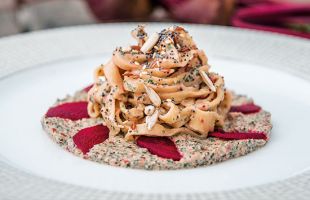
column 18, row 184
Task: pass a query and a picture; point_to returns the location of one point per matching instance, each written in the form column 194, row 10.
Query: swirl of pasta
column 173, row 114
column 160, row 87
column 127, row 60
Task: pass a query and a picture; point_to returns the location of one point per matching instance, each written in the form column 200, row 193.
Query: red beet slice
column 72, row 110
column 238, row 135
column 86, row 138
column 86, row 89
column 246, row 108
column 161, row 146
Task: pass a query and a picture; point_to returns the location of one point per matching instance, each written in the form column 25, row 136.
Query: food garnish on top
column 160, row 87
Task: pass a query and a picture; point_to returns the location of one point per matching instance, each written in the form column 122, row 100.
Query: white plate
column 26, row 95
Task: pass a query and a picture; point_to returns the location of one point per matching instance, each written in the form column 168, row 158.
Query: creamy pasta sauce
column 161, row 86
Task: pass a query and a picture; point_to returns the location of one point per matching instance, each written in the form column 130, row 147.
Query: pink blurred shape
column 274, row 17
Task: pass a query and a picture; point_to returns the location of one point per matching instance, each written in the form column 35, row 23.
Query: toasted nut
column 149, row 44
column 149, row 110
column 154, row 97
column 102, row 79
column 157, row 63
column 151, row 120
column 207, row 80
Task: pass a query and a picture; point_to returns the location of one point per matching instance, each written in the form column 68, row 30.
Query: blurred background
column 283, row 16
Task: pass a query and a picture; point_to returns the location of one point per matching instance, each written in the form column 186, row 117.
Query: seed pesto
column 196, row 152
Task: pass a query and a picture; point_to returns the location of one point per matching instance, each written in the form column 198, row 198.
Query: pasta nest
column 160, row 87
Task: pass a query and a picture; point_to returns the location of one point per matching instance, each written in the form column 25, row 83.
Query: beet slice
column 161, row 146
column 86, row 138
column 73, row 111
column 86, row 89
column 238, row 135
column 246, row 108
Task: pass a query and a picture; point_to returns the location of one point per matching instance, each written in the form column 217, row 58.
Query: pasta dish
column 157, row 105
column 162, row 86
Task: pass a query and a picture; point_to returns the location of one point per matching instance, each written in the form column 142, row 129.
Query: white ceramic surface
column 27, row 95
column 37, row 68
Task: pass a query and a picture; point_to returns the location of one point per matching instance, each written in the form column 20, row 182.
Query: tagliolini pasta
column 160, row 87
